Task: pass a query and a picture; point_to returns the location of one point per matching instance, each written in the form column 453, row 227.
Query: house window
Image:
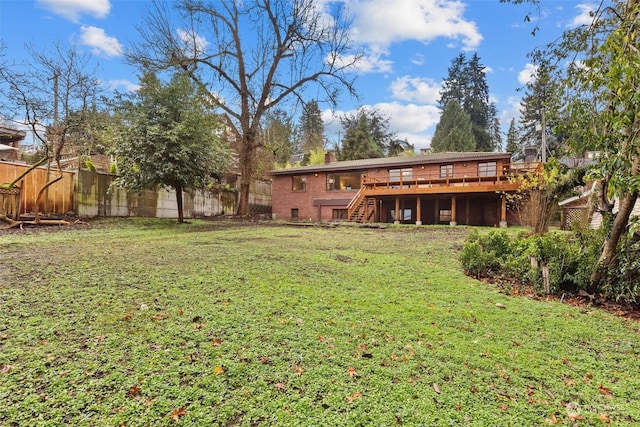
column 487, row 169
column 445, row 215
column 405, row 215
column 339, row 214
column 405, row 174
column 446, row 171
column 344, row 181
column 299, row 183
column 294, row 213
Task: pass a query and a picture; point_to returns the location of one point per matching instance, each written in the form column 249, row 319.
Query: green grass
column 126, row 322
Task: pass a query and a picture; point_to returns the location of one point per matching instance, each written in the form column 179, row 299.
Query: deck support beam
column 418, row 211
column 503, row 211
column 453, row 211
column 396, row 220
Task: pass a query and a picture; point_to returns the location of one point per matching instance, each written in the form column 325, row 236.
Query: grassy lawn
column 143, row 322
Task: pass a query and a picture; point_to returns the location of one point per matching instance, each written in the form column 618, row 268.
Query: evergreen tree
column 378, row 128
column 513, row 141
column 168, row 136
column 455, row 86
column 539, row 105
column 466, row 83
column 311, row 128
column 359, row 143
column 279, row 135
column 454, row 132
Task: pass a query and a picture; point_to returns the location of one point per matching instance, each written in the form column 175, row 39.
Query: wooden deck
column 506, row 181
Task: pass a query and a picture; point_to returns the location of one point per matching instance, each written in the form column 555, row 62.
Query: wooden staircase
column 361, row 208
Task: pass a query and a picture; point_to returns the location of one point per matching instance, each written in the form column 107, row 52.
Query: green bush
column 570, row 257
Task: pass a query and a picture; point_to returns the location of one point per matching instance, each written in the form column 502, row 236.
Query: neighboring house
column 434, row 188
column 10, row 143
column 582, row 209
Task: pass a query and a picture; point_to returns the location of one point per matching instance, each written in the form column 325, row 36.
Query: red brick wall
column 284, row 199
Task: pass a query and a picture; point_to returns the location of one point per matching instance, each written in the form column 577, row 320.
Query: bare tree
column 46, row 92
column 250, row 56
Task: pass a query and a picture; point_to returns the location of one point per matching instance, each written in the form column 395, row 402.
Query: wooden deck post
column 467, row 201
column 437, row 210
column 453, row 211
column 418, row 211
column 396, row 220
column 503, row 211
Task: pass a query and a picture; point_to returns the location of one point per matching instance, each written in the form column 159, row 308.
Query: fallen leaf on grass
column 217, row 342
column 552, row 420
column 5, row 369
column 352, row 372
column 217, row 370
column 160, row 316
column 574, row 417
column 297, row 369
column 605, row 391
column 280, row 386
column 504, row 406
column 436, row 388
column 177, row 413
column 4, row 336
column 499, row 305
column 604, row 417
column 198, row 325
column 134, row 391
column 353, row 397
column 100, row 338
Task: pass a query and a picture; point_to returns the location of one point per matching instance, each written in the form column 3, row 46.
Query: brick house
column 435, row 188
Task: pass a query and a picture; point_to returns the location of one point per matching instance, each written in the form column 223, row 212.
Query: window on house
column 405, row 215
column 344, row 181
column 487, row 169
column 445, row 215
column 405, row 174
column 294, row 213
column 446, row 171
column 339, row 214
column 299, row 183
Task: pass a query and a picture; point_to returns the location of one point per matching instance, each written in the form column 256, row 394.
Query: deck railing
column 428, row 180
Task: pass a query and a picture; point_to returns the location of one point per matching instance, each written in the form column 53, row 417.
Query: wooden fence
column 59, row 196
column 90, row 194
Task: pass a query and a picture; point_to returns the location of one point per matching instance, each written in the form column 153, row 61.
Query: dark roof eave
column 355, row 165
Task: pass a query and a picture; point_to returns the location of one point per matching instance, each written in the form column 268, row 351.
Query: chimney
column 329, row 157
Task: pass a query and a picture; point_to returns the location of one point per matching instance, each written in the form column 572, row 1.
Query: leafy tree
column 600, row 89
column 377, row 127
column 311, row 128
column 278, row 135
column 168, row 136
column 466, row 84
column 250, row 57
column 359, row 142
column 454, row 131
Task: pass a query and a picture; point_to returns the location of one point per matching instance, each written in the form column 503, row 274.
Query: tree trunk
column 620, row 223
column 247, row 168
column 178, row 190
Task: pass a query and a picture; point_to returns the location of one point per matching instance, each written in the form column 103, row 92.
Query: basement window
column 294, row 213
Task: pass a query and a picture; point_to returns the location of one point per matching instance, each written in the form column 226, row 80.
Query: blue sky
column 409, row 45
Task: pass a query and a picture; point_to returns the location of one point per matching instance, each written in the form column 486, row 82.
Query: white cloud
column 127, row 85
column 416, row 89
column 381, row 23
column 73, row 9
column 528, row 74
column 99, row 42
column 370, row 63
column 511, row 111
column 194, row 44
column 584, row 16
